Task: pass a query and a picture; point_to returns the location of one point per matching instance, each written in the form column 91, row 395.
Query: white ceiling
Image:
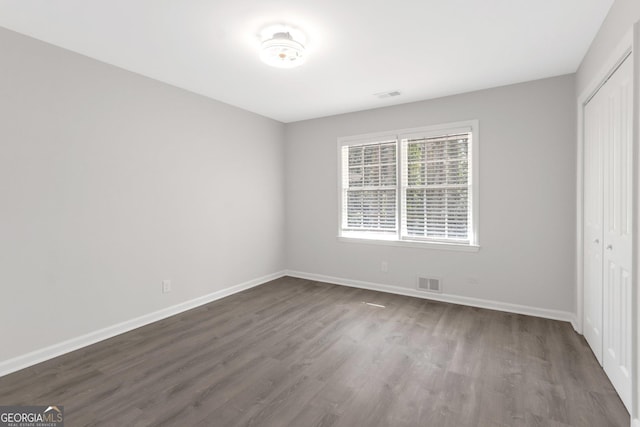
column 423, row 48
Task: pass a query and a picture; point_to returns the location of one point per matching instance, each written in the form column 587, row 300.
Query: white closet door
column 617, row 254
column 593, row 224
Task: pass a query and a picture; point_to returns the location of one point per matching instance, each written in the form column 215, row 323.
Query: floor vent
column 429, row 284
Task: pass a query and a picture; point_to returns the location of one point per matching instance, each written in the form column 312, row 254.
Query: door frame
column 629, row 45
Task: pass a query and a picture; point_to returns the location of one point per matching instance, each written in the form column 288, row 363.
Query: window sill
column 412, row 244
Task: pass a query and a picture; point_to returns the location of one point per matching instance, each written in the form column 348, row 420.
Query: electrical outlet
column 166, row 286
column 384, row 266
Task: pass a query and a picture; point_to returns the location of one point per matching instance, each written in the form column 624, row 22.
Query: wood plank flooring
column 299, row 353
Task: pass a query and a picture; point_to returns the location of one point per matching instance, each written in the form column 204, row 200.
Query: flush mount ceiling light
column 282, row 50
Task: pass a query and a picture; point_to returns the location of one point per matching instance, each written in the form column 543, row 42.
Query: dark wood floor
column 300, row 353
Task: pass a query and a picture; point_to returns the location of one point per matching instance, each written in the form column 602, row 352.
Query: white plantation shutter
column 369, row 187
column 436, row 187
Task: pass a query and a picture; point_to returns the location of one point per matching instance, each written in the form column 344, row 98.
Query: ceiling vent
column 430, row 284
column 383, row 95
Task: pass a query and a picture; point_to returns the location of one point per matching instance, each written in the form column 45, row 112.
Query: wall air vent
column 429, row 284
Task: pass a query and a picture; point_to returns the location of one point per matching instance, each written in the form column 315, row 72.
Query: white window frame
column 396, row 239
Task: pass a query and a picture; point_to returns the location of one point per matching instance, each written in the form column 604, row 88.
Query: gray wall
column 111, row 182
column 622, row 15
column 527, row 197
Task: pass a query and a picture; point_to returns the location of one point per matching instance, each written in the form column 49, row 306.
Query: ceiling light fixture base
column 282, row 51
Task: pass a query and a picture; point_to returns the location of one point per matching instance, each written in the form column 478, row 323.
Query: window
column 416, row 186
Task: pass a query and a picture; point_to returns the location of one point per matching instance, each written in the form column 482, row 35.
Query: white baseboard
column 454, row 299
column 29, row 359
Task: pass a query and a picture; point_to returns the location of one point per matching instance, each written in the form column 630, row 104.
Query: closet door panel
column 617, row 254
column 593, row 224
